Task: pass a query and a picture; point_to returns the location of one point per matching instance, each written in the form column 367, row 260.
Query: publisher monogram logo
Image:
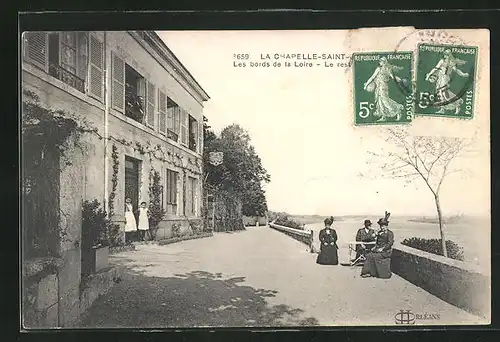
column 407, row 317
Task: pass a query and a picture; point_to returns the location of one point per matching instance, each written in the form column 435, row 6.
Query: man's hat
column 368, row 223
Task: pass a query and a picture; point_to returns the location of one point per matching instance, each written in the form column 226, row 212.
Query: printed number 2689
column 365, row 108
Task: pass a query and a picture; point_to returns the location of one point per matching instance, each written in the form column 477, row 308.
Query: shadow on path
column 194, row 299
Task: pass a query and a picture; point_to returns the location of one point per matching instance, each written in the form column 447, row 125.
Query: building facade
column 146, row 114
column 144, row 103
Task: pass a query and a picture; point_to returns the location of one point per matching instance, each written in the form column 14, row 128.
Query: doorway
column 132, row 171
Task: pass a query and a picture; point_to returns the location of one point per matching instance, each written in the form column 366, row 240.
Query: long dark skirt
column 377, row 265
column 328, row 256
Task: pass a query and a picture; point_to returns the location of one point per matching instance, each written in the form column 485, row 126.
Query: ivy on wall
column 47, row 136
column 114, row 179
column 45, row 130
column 156, row 211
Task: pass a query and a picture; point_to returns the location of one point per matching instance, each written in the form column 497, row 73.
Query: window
column 173, row 120
column 64, row 55
column 193, row 134
column 135, row 89
column 171, row 188
column 162, row 112
column 68, row 51
column 191, row 196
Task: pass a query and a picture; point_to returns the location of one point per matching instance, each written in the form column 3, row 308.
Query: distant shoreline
column 314, row 219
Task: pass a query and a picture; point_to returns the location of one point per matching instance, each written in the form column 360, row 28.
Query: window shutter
column 195, row 192
column 37, row 49
column 184, row 127
column 96, row 66
column 189, row 194
column 162, row 109
column 150, row 109
column 177, row 119
column 200, row 137
column 118, row 85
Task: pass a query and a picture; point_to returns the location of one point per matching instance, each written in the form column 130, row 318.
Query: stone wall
column 453, row 281
column 40, row 283
column 300, row 235
column 165, row 230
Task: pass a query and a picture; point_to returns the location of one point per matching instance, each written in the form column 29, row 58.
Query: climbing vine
column 47, row 135
column 114, row 179
column 156, row 211
column 48, row 138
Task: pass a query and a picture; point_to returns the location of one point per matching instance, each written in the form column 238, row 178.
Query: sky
column 301, row 124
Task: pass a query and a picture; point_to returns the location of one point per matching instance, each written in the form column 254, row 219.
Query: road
column 258, row 277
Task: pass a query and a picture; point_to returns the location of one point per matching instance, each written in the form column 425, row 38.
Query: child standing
column 143, row 220
column 130, row 223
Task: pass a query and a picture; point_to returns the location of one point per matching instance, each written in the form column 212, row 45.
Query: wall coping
column 45, row 265
column 291, row 230
column 441, row 259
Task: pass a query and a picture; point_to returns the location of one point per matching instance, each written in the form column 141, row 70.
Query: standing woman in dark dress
column 378, row 261
column 328, row 237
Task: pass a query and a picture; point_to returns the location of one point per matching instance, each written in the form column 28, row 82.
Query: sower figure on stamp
column 378, row 261
column 365, row 234
column 442, row 74
column 385, row 107
column 328, row 254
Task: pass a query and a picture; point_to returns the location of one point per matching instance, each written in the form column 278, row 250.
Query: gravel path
column 258, row 277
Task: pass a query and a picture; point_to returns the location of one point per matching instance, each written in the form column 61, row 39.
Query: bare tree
column 429, row 159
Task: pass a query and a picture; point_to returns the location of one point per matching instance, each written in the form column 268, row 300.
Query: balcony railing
column 67, row 77
column 172, row 135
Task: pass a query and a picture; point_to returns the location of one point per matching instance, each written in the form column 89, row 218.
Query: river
column 473, row 237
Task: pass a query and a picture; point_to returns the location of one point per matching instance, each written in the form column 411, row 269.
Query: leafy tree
column 241, row 172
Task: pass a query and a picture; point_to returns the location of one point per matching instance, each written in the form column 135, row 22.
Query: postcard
column 193, row 179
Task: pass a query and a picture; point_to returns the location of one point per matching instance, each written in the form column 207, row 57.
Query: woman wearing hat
column 328, row 237
column 378, row 261
column 365, row 234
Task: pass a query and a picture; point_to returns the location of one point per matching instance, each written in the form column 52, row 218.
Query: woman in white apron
column 143, row 220
column 130, row 223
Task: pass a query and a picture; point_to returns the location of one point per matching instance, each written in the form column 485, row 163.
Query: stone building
column 147, row 111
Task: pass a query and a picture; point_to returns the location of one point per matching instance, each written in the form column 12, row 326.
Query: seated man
column 378, row 260
column 365, row 234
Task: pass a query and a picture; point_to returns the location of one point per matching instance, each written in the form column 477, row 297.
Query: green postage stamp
column 445, row 80
column 383, row 88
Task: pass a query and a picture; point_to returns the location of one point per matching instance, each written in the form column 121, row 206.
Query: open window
column 135, row 89
column 171, row 189
column 191, row 196
column 193, row 134
column 173, row 120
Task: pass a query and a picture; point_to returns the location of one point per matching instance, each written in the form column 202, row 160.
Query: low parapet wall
column 300, row 235
column 456, row 282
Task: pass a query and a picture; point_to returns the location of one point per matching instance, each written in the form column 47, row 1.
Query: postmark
column 445, row 80
column 383, row 88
